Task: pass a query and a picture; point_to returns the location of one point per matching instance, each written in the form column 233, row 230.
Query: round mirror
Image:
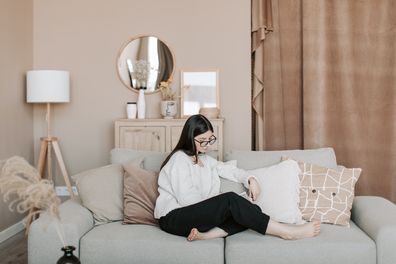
column 144, row 62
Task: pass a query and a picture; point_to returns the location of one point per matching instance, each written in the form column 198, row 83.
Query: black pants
column 228, row 211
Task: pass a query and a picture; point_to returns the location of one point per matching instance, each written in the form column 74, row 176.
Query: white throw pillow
column 279, row 197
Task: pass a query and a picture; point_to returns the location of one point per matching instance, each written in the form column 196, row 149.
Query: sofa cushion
column 100, row 190
column 249, row 160
column 125, row 244
column 140, row 194
column 335, row 244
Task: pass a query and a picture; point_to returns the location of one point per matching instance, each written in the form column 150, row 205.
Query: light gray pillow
column 101, row 191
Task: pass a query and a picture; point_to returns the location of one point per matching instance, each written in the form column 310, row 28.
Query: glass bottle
column 68, row 257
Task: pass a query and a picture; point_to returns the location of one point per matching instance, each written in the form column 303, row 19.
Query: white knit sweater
column 182, row 182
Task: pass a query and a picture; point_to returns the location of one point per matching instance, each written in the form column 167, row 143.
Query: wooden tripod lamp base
column 47, row 143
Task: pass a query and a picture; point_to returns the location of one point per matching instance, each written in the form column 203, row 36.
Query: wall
column 84, row 37
column 16, row 116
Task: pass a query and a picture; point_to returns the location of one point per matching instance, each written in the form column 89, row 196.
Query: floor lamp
column 49, row 86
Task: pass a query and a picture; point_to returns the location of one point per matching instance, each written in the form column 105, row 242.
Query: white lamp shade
column 48, row 86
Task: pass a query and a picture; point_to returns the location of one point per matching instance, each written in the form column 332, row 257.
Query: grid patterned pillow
column 326, row 194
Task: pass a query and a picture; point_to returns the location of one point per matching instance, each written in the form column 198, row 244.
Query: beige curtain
column 276, row 82
column 333, row 83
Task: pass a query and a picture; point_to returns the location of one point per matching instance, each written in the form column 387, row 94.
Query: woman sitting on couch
column 190, row 203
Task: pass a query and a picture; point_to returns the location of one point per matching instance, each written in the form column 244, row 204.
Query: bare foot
column 288, row 231
column 195, row 235
column 301, row 231
column 212, row 233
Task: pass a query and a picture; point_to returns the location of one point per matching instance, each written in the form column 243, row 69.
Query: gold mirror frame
column 145, row 61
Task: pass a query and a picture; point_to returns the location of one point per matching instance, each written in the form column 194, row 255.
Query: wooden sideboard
column 160, row 134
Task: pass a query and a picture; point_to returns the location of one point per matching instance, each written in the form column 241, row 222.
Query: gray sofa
column 370, row 239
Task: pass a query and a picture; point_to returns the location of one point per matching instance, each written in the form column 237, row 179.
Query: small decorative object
column 131, row 110
column 141, row 105
column 68, row 257
column 168, row 103
column 30, row 193
column 168, row 109
column 166, row 91
column 210, row 112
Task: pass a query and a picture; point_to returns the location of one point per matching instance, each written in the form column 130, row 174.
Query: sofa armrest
column 377, row 217
column 44, row 244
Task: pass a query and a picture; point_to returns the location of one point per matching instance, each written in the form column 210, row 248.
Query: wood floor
column 14, row 250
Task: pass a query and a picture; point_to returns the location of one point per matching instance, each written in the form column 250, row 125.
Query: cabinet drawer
column 143, row 138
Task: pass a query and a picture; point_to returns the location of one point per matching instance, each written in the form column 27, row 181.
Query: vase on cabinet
column 141, row 104
column 168, row 109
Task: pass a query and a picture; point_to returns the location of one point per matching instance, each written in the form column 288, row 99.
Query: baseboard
column 11, row 231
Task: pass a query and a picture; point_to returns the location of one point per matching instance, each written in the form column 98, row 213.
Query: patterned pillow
column 327, row 194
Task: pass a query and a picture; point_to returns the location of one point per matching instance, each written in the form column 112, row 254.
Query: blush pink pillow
column 140, row 194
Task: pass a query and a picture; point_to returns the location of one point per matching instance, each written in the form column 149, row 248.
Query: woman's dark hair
column 194, row 126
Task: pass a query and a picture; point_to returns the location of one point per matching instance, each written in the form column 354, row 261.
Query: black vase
column 68, row 257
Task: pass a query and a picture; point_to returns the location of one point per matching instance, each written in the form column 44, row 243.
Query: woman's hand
column 254, row 188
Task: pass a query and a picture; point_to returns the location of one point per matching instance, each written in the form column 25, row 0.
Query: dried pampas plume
column 22, row 184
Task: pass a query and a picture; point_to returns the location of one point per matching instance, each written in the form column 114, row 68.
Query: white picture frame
column 198, row 89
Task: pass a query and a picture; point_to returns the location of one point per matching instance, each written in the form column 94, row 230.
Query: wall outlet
column 62, row 190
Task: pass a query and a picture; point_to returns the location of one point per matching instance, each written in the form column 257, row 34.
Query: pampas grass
column 22, row 185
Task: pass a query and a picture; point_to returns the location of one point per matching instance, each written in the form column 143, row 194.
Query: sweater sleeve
column 229, row 170
column 182, row 183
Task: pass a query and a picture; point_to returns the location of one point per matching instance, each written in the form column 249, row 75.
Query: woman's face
column 203, row 141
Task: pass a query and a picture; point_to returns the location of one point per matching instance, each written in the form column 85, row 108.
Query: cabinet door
column 143, row 138
column 175, row 132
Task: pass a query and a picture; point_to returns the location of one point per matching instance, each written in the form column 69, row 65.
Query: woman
column 190, row 203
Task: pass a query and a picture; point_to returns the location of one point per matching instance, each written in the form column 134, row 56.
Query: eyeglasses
column 204, row 143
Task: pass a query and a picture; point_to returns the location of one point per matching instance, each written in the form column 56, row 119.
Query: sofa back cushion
column 250, row 160
column 152, row 160
column 246, row 159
